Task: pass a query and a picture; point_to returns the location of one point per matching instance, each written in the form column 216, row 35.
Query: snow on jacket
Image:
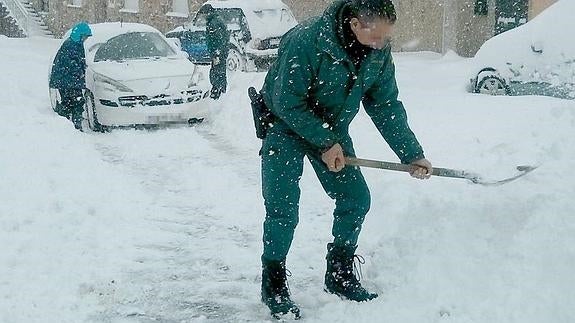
column 315, row 90
column 69, row 67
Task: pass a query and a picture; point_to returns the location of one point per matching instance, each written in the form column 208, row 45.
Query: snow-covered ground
column 165, row 225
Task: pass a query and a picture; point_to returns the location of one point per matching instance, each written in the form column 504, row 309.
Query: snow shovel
column 443, row 172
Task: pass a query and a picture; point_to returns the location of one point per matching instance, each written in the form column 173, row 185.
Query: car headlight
column 257, row 43
column 196, row 78
column 111, row 84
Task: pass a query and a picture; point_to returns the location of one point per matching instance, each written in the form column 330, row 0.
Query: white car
column 135, row 76
column 535, row 58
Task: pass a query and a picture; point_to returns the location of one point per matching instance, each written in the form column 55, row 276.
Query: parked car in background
column 192, row 42
column 256, row 28
column 527, row 60
column 135, row 76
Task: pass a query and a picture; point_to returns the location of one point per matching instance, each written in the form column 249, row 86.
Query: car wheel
column 492, row 85
column 235, row 61
column 90, row 108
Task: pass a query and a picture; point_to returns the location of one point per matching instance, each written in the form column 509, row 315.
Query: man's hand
column 421, row 169
column 333, row 158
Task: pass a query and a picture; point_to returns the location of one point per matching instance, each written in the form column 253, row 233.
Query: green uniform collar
column 329, row 38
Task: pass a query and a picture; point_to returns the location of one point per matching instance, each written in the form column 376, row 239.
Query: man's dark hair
column 368, row 10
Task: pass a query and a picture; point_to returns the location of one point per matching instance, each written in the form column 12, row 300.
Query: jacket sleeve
column 389, row 116
column 290, row 95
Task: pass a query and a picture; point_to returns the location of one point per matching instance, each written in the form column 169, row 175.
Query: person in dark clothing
column 68, row 74
column 325, row 68
column 218, row 39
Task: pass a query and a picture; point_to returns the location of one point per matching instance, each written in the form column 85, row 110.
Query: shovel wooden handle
column 443, row 172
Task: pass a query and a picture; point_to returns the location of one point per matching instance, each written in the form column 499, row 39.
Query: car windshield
column 135, row 45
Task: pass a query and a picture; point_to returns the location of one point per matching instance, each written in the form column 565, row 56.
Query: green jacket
column 314, row 89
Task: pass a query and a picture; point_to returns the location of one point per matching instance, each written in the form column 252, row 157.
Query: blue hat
column 80, row 30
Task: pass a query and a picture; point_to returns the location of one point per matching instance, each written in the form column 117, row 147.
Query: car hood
column 144, row 69
column 150, row 76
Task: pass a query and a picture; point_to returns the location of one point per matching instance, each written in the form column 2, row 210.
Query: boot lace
column 358, row 260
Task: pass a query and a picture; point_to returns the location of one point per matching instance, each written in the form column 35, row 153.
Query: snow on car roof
column 103, row 32
column 546, row 39
column 262, row 25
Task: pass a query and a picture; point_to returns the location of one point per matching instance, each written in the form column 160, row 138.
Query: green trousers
column 282, row 166
column 218, row 77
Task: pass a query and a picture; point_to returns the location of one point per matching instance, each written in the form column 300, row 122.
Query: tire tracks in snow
column 194, row 266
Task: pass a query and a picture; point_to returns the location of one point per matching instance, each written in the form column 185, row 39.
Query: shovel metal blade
column 523, row 170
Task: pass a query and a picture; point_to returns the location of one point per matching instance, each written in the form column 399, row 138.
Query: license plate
column 166, row 118
column 274, row 42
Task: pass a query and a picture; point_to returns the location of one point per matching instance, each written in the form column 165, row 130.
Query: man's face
column 375, row 33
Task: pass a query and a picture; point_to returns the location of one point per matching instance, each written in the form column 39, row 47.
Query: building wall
column 8, row 26
column 433, row 25
column 422, row 25
column 426, row 25
column 157, row 13
column 472, row 29
column 303, row 9
column 536, row 6
column 419, row 25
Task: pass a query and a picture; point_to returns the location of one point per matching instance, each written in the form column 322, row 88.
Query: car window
column 196, row 37
column 135, row 45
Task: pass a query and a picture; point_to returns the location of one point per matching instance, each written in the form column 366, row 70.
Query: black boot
column 340, row 278
column 275, row 292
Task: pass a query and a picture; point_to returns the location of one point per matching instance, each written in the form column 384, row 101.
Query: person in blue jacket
column 68, row 74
